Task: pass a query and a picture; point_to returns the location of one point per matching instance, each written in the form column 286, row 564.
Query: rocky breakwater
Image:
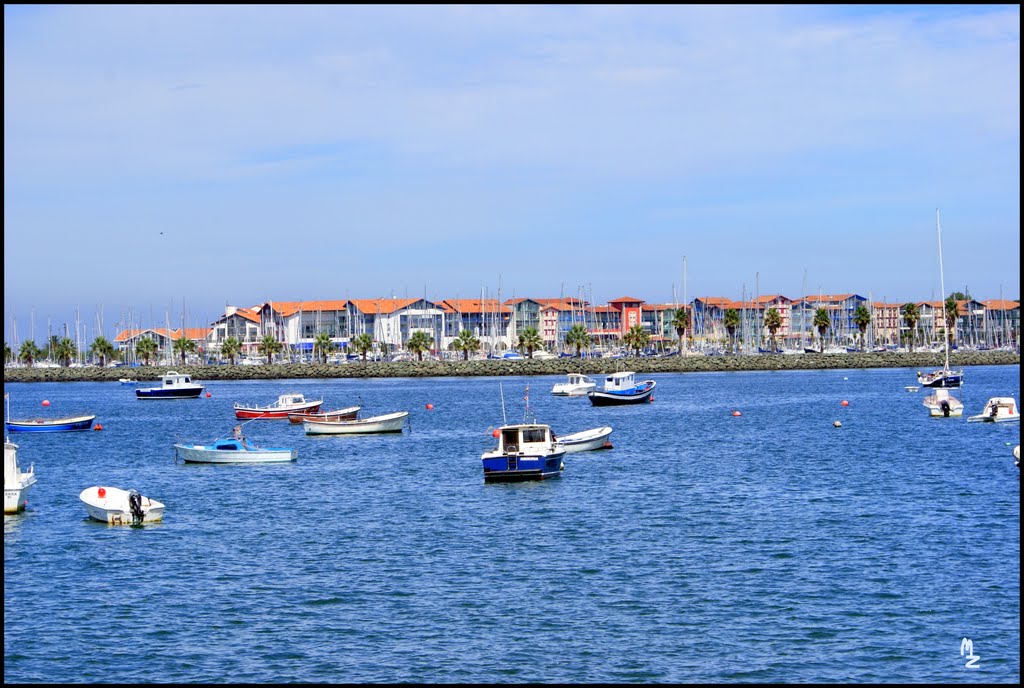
column 560, row 366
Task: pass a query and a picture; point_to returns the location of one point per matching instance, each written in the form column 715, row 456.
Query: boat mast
column 942, row 292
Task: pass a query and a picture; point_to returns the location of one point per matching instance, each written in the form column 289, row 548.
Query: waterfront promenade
column 561, row 366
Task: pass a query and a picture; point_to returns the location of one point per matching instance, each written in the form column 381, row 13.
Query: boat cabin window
column 534, row 435
column 509, row 437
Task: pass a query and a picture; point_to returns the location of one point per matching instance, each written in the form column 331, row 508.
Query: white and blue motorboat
column 622, row 388
column 173, row 385
column 234, row 449
column 524, row 452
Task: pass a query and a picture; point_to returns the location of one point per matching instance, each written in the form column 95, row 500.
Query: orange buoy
column 736, row 413
column 46, row 402
column 102, row 492
column 845, row 402
column 430, row 407
column 98, row 426
column 208, row 395
column 496, row 433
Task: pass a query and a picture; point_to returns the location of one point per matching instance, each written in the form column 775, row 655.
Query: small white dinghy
column 997, row 410
column 120, row 507
column 586, row 440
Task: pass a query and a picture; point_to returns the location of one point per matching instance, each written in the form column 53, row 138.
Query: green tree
column 578, row 337
column 184, row 346
column 466, row 342
column 145, row 348
column 636, row 338
column 65, row 351
column 530, row 340
column 102, row 349
column 773, row 321
column 952, row 315
column 231, row 348
column 822, row 322
column 29, row 352
column 269, row 346
column 732, row 323
column 322, row 345
column 419, row 342
column 681, row 323
column 862, row 318
column 911, row 315
column 7, row 353
column 363, row 344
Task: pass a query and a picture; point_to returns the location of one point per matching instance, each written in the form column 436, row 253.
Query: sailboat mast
column 942, row 288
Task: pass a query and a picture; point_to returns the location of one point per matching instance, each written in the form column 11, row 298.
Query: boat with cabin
column 173, row 385
column 585, row 440
column 16, row 481
column 997, row 410
column 525, row 452
column 576, row 385
column 234, row 449
column 120, row 507
column 622, row 388
column 390, row 422
column 279, row 410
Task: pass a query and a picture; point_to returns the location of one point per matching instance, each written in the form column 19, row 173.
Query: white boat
column 911, row 388
column 120, row 507
column 234, row 449
column 943, row 404
column 391, row 422
column 997, row 410
column 586, row 440
column 524, row 452
column 16, row 481
column 1016, row 456
column 576, row 385
column 127, row 381
column 622, row 388
column 173, row 385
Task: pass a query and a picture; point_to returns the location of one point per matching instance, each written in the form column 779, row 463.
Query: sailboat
column 943, row 403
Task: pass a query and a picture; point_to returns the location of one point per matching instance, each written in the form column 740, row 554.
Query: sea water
column 705, row 546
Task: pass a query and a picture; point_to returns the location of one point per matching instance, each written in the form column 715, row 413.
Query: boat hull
column 340, row 414
column 47, row 425
column 508, row 468
column 113, row 508
column 588, row 440
column 203, row 454
column 160, row 393
column 248, row 413
column 641, row 394
column 16, row 496
column 394, row 422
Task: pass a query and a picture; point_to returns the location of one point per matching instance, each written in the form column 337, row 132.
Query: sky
column 162, row 162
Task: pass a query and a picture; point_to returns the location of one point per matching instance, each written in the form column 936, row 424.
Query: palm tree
column 912, row 316
column 579, row 337
column 29, row 352
column 530, row 340
column 184, row 346
column 102, row 348
column 731, row 322
column 862, row 318
column 681, row 323
column 636, row 338
column 7, row 353
column 952, row 315
column 419, row 342
column 773, row 321
column 822, row 322
column 65, row 351
column 231, row 348
column 322, row 345
column 268, row 346
column 466, row 342
column 363, row 343
column 145, row 348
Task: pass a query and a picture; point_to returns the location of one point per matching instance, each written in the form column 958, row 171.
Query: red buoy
column 98, row 426
column 46, row 402
column 736, row 413
column 102, row 492
column 207, row 395
column 845, row 402
column 430, row 407
column 496, row 433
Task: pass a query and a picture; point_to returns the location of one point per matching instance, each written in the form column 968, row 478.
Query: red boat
column 339, row 414
column 285, row 404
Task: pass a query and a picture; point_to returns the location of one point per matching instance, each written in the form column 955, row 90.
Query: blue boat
column 524, row 452
column 173, row 385
column 51, row 424
column 622, row 388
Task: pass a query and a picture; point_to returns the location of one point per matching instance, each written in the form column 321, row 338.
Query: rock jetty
column 560, row 366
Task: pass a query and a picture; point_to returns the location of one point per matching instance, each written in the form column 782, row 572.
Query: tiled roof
column 474, row 306
column 623, row 299
column 382, row 306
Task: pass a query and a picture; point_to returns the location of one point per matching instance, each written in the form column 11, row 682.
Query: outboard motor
column 135, row 504
column 944, row 405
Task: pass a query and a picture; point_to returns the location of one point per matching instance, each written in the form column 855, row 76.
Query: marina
column 698, row 523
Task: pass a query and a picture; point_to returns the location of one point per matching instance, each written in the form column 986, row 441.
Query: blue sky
column 161, row 159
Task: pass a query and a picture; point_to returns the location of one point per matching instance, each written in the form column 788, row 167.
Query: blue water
column 705, row 547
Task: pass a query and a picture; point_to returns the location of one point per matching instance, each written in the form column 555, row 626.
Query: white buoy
column 837, row 424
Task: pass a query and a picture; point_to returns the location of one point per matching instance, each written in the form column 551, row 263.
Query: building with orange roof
column 488, row 320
